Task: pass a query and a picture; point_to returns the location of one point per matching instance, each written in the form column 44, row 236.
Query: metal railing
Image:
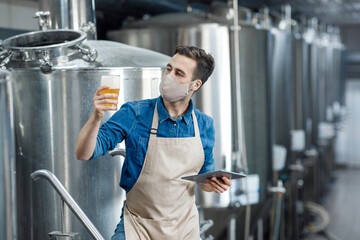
column 66, row 197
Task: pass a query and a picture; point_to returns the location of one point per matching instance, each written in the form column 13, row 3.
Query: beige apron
column 161, row 205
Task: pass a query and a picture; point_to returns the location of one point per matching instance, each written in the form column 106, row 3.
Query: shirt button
column 175, row 124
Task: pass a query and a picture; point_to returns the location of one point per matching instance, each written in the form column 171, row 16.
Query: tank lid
column 46, row 47
column 66, row 49
column 40, row 40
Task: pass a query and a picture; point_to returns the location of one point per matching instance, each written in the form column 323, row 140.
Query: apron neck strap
column 155, row 123
column 196, row 126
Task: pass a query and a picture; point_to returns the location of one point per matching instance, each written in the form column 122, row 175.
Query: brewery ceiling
column 340, row 12
column 337, row 12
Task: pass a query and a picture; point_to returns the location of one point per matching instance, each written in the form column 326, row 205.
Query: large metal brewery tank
column 305, row 72
column 212, row 32
column 310, row 37
column 7, row 160
column 311, row 160
column 255, row 46
column 300, row 89
column 324, row 64
column 329, row 85
column 281, row 95
column 56, row 74
column 334, row 84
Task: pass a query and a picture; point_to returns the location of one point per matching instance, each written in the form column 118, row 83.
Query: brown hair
column 205, row 62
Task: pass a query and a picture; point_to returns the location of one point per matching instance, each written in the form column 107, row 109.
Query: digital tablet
column 201, row 178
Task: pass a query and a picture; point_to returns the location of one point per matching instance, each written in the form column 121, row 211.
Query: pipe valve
column 43, row 19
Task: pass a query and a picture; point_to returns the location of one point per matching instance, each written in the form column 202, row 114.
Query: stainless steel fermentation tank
column 256, row 47
column 329, row 80
column 217, row 97
column 334, row 83
column 327, row 54
column 301, row 132
column 70, row 14
column 56, row 74
column 7, row 160
column 281, row 95
column 310, row 37
column 301, row 87
column 323, row 64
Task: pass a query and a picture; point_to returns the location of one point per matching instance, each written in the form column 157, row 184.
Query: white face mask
column 173, row 91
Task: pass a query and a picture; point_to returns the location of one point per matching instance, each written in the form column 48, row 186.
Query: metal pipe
column 8, row 226
column 117, row 151
column 65, row 195
column 279, row 190
column 241, row 146
column 277, row 216
column 232, row 228
column 62, row 216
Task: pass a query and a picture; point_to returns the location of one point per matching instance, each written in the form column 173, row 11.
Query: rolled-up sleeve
column 116, row 129
column 208, row 141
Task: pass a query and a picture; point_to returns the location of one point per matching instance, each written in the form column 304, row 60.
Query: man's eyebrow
column 177, row 69
column 181, row 71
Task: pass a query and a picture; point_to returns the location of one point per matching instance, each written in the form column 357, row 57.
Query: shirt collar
column 164, row 115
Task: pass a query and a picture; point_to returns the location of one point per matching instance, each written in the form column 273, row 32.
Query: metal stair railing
column 66, row 197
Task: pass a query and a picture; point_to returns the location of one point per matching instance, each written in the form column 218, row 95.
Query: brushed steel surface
column 31, row 47
column 301, row 86
column 50, row 109
column 255, row 47
column 71, row 14
column 281, row 87
column 314, row 88
column 7, row 159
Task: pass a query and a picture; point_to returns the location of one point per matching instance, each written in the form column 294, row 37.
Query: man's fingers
column 98, row 91
column 215, row 186
column 106, row 100
column 226, row 181
column 105, row 96
column 103, row 108
column 221, row 184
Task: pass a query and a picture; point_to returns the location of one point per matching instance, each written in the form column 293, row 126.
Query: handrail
column 117, row 151
column 65, row 195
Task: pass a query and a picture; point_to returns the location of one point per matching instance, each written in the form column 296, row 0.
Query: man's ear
column 197, row 85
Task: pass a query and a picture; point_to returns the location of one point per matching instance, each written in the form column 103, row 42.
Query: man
column 166, row 138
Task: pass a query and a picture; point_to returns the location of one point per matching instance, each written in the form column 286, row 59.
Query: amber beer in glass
column 113, row 81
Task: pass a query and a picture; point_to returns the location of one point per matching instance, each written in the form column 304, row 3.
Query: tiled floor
column 343, row 205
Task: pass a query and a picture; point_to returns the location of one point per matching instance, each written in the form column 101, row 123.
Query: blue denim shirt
column 132, row 123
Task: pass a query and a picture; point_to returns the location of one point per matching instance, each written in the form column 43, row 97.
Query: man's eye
column 179, row 74
column 168, row 69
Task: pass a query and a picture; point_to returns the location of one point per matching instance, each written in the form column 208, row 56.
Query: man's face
column 181, row 68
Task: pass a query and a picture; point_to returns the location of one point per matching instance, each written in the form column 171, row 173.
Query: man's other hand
column 216, row 185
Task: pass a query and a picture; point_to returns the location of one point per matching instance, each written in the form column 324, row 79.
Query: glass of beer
column 113, row 81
